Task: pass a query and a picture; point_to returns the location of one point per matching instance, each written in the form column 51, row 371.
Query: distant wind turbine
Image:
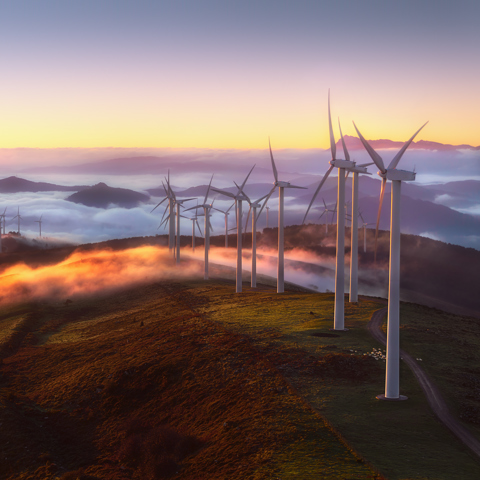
column 364, row 226
column 281, row 194
column 39, row 221
column 195, row 222
column 2, row 216
column 170, row 196
column 238, row 197
column 253, row 210
column 18, row 216
column 226, row 213
column 267, row 208
column 206, row 210
column 392, row 380
column 326, row 210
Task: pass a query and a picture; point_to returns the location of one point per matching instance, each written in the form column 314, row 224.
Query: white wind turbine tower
column 239, row 197
column 342, row 165
column 18, row 216
column 356, row 170
column 392, row 379
column 206, row 210
column 3, row 216
column 195, row 222
column 39, row 221
column 281, row 194
column 253, row 206
column 179, row 203
column 170, row 196
column 226, row 213
column 326, row 210
column 364, row 226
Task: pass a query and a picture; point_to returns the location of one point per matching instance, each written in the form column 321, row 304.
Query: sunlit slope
column 256, row 380
column 87, row 369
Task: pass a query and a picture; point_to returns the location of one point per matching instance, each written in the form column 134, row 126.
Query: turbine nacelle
column 347, row 164
column 359, row 169
column 401, row 175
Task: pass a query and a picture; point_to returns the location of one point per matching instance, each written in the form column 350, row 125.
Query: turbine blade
column 228, row 209
column 333, row 213
column 261, row 198
column 320, row 185
column 240, row 190
column 366, row 164
column 210, row 225
column 347, row 156
column 194, row 208
column 323, row 200
column 333, row 147
column 295, row 186
column 398, row 156
column 324, row 212
column 373, row 154
column 208, row 190
column 158, row 204
column 245, row 181
column 274, row 168
column 382, row 194
column 199, row 229
column 223, row 192
column 266, row 200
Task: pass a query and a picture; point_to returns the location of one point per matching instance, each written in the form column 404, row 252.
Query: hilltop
column 188, row 380
column 101, row 196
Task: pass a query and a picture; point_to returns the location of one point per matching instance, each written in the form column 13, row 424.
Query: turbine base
column 399, row 399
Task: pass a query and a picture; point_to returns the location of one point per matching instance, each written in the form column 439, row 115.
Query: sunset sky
column 227, row 74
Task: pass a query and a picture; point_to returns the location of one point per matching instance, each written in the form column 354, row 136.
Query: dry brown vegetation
column 141, row 385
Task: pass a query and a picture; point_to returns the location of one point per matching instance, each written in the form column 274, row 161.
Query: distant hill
column 354, row 143
column 101, row 196
column 16, row 184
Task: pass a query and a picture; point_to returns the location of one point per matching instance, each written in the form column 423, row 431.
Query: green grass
column 402, row 439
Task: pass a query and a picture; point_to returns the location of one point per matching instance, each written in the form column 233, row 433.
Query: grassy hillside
column 189, row 380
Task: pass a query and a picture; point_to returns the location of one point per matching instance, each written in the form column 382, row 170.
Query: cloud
column 88, row 272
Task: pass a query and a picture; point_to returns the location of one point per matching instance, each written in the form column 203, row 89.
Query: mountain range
column 354, row 143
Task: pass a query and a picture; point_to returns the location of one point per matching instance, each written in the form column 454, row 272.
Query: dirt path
column 432, row 393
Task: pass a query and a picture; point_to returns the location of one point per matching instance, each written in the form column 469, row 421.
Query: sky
column 228, row 74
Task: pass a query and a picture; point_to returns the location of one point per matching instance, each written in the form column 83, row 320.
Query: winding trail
column 432, row 393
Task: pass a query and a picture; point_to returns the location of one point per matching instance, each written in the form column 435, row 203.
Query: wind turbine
column 364, row 226
column 206, row 210
column 179, row 203
column 281, row 194
column 239, row 197
column 356, row 170
column 226, row 213
column 392, row 379
column 3, row 215
column 326, row 210
column 19, row 218
column 253, row 206
column 195, row 221
column 342, row 165
column 170, row 196
column 39, row 221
